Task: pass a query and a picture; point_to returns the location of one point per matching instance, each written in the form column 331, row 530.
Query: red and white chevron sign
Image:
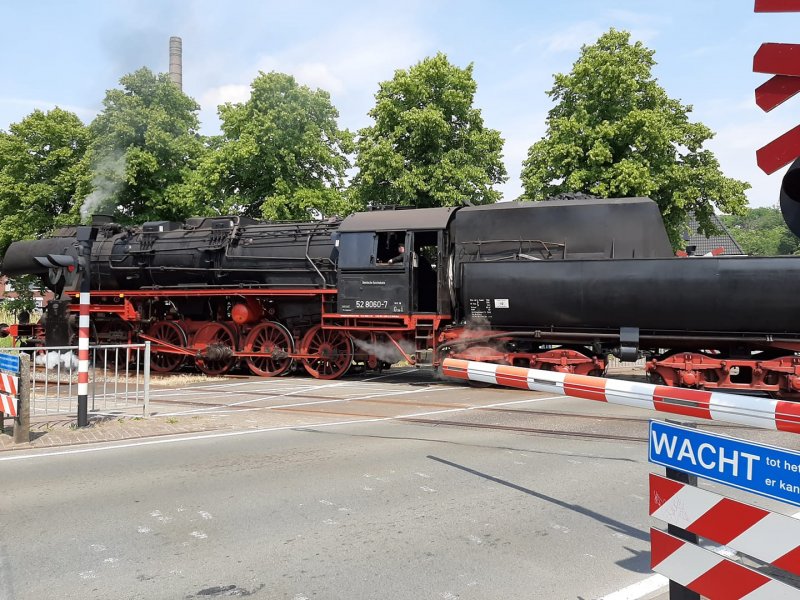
column 770, row 537
column 710, row 574
column 782, row 61
column 9, row 384
column 764, row 413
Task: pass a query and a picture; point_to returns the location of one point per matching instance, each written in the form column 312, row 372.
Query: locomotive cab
column 394, row 262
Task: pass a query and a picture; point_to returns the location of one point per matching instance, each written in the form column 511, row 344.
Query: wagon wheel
column 171, row 333
column 274, row 340
column 215, row 344
column 332, row 352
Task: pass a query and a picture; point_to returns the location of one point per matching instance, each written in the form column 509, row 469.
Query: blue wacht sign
column 9, row 362
column 765, row 470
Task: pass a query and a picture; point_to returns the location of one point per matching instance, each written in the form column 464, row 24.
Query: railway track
column 338, row 407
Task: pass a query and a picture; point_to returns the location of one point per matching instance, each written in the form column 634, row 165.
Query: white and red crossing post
column 768, row 536
column 85, row 236
column 9, row 386
column 710, row 574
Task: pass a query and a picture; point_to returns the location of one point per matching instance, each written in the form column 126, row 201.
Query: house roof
column 704, row 244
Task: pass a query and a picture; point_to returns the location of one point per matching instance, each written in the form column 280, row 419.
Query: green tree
column 762, row 232
column 24, row 286
column 281, row 155
column 42, row 174
column 428, row 146
column 614, row 132
column 145, row 144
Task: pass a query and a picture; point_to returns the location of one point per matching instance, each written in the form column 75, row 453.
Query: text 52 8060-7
column 372, row 303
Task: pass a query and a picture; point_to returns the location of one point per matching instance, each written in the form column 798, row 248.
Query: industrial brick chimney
column 176, row 61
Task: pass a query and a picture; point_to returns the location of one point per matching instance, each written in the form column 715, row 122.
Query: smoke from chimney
column 176, row 61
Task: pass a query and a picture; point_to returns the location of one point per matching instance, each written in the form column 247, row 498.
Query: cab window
column 356, row 250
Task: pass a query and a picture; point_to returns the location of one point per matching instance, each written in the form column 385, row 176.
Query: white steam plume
column 108, row 178
column 386, row 351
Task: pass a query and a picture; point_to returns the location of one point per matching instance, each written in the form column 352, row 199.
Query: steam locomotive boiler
column 560, row 285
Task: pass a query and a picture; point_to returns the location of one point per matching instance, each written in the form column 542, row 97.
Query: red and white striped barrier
column 767, row 536
column 710, row 574
column 8, row 405
column 83, row 346
column 9, row 384
column 717, row 406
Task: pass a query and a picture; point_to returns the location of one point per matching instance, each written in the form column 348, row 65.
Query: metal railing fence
column 119, row 379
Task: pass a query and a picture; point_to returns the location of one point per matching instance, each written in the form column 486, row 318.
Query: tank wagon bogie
column 563, row 285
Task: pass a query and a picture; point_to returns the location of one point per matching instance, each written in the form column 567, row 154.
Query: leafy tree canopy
column 42, row 172
column 762, row 232
column 428, row 146
column 614, row 132
column 145, row 143
column 281, row 155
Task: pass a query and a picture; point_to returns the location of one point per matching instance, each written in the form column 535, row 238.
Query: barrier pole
column 146, row 377
column 764, row 413
column 22, row 423
column 676, row 590
column 83, row 354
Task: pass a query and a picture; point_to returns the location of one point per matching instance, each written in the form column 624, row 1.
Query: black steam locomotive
column 560, row 285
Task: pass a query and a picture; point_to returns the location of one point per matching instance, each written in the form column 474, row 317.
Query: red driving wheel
column 331, row 352
column 273, row 340
column 215, row 344
column 164, row 361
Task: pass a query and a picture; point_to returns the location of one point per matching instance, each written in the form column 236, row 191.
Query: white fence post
column 146, row 402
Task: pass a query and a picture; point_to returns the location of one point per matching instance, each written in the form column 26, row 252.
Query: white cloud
column 225, row 93
column 642, row 27
column 573, row 37
column 348, row 61
column 13, row 110
column 318, row 75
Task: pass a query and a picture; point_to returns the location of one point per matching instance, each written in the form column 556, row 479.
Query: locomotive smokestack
column 790, row 197
column 176, row 61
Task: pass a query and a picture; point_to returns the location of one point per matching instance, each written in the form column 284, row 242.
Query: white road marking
column 639, row 589
column 208, row 436
column 220, row 409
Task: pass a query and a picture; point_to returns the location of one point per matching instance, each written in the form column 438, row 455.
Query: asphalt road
column 486, row 504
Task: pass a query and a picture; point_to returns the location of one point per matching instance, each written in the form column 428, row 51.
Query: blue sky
column 69, row 53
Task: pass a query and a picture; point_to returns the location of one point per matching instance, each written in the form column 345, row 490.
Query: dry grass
column 181, row 379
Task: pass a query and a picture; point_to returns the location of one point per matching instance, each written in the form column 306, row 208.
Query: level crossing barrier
column 771, row 538
column 765, row 413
